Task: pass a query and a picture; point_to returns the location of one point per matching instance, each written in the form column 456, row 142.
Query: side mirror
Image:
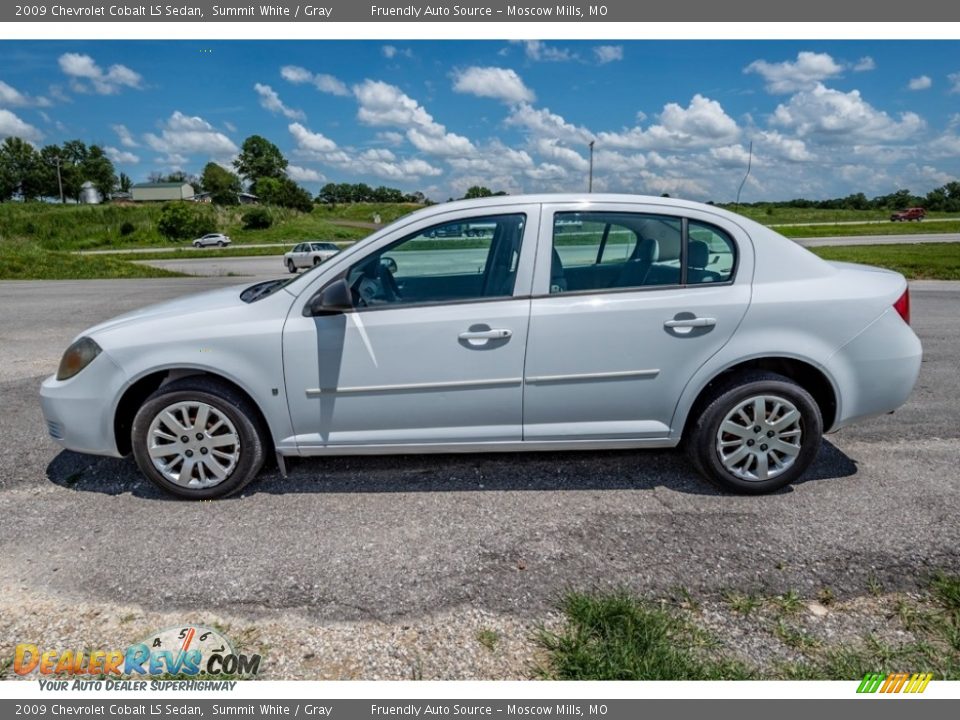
column 334, row 299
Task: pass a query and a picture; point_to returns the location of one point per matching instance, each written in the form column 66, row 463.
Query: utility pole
column 590, row 185
column 56, row 161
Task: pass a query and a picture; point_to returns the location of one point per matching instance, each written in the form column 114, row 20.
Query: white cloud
column 321, row 81
column 790, row 76
column 954, row 79
column 731, row 156
column 391, row 51
column 270, row 100
column 835, row 116
column 550, row 149
column 703, row 122
column 121, row 156
column 11, row 97
column 302, row 174
column 126, row 138
column 384, row 104
column 13, row 126
column 784, row 148
column 390, row 137
column 541, row 52
column 864, row 64
column 608, row 53
column 920, row 83
column 85, row 75
column 183, row 135
column 493, row 82
column 542, row 122
column 311, row 141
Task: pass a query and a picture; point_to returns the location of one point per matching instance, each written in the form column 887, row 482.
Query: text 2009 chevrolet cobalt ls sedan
column 577, row 322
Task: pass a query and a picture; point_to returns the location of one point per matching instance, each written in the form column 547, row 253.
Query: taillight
column 902, row 306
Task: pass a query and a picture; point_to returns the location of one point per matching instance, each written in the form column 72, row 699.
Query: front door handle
column 694, row 322
column 496, row 334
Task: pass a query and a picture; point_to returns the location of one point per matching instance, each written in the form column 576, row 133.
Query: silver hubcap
column 760, row 438
column 193, row 444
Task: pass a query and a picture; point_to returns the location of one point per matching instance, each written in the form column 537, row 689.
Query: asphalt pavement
column 382, row 537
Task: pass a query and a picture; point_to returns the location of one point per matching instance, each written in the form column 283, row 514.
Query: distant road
column 880, row 239
column 855, row 222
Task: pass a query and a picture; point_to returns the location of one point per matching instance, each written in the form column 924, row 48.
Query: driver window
column 456, row 261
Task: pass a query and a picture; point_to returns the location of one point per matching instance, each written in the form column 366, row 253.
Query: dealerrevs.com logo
column 189, row 651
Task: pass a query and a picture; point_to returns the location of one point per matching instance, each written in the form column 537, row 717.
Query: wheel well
column 805, row 375
column 135, row 395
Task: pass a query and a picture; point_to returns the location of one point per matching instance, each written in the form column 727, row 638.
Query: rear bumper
column 79, row 412
column 877, row 370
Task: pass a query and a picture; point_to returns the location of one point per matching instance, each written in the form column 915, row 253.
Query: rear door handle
column 496, row 334
column 695, row 322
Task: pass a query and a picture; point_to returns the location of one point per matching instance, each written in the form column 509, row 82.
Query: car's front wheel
column 198, row 438
column 756, row 434
column 291, row 267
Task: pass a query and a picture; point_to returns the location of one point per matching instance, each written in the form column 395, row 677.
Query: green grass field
column 778, row 215
column 815, row 231
column 28, row 262
column 924, row 261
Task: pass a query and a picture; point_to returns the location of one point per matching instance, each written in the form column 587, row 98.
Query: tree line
column 945, row 198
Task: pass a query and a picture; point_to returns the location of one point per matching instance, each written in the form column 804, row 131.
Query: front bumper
column 79, row 411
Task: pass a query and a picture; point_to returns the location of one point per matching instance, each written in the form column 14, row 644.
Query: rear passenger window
column 711, row 254
column 605, row 251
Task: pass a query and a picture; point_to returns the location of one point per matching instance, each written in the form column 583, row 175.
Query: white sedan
column 308, row 254
column 580, row 322
column 217, row 239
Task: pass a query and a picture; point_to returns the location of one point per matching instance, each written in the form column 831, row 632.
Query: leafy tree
column 124, row 183
column 260, row 158
column 19, row 170
column 477, row 191
column 257, row 219
column 283, row 192
column 97, row 169
column 185, row 221
column 222, row 184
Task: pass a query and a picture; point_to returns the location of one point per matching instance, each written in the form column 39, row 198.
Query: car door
column 629, row 300
column 432, row 351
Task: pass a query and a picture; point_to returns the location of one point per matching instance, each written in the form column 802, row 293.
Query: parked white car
column 308, row 254
column 218, row 239
column 581, row 322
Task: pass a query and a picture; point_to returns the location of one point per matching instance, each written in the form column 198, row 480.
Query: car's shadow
column 534, row 471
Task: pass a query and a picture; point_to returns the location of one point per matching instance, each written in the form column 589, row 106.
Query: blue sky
column 826, row 117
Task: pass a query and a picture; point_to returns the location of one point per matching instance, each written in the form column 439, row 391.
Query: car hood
column 181, row 307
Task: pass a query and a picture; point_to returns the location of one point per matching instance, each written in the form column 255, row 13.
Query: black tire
column 291, row 267
column 316, row 261
column 221, row 243
column 701, row 440
column 225, row 400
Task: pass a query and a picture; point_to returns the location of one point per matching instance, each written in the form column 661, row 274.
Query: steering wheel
column 391, row 290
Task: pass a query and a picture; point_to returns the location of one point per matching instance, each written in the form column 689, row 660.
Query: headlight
column 77, row 357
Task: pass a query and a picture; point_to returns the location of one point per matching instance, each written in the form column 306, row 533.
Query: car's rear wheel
column 757, row 433
column 316, row 261
column 221, row 243
column 198, row 439
column 291, row 266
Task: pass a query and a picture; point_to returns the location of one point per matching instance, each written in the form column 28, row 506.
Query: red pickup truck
column 917, row 214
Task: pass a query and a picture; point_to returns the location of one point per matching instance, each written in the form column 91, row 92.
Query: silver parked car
column 308, row 254
column 579, row 322
column 218, row 239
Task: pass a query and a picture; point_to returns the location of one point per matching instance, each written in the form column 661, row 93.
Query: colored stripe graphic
column 895, row 683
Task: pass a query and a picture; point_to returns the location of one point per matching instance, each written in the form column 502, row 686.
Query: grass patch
column 774, row 215
column 817, row 231
column 488, row 638
column 617, row 637
column 33, row 263
column 923, row 261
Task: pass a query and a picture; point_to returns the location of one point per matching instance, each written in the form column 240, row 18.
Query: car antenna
column 736, row 207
